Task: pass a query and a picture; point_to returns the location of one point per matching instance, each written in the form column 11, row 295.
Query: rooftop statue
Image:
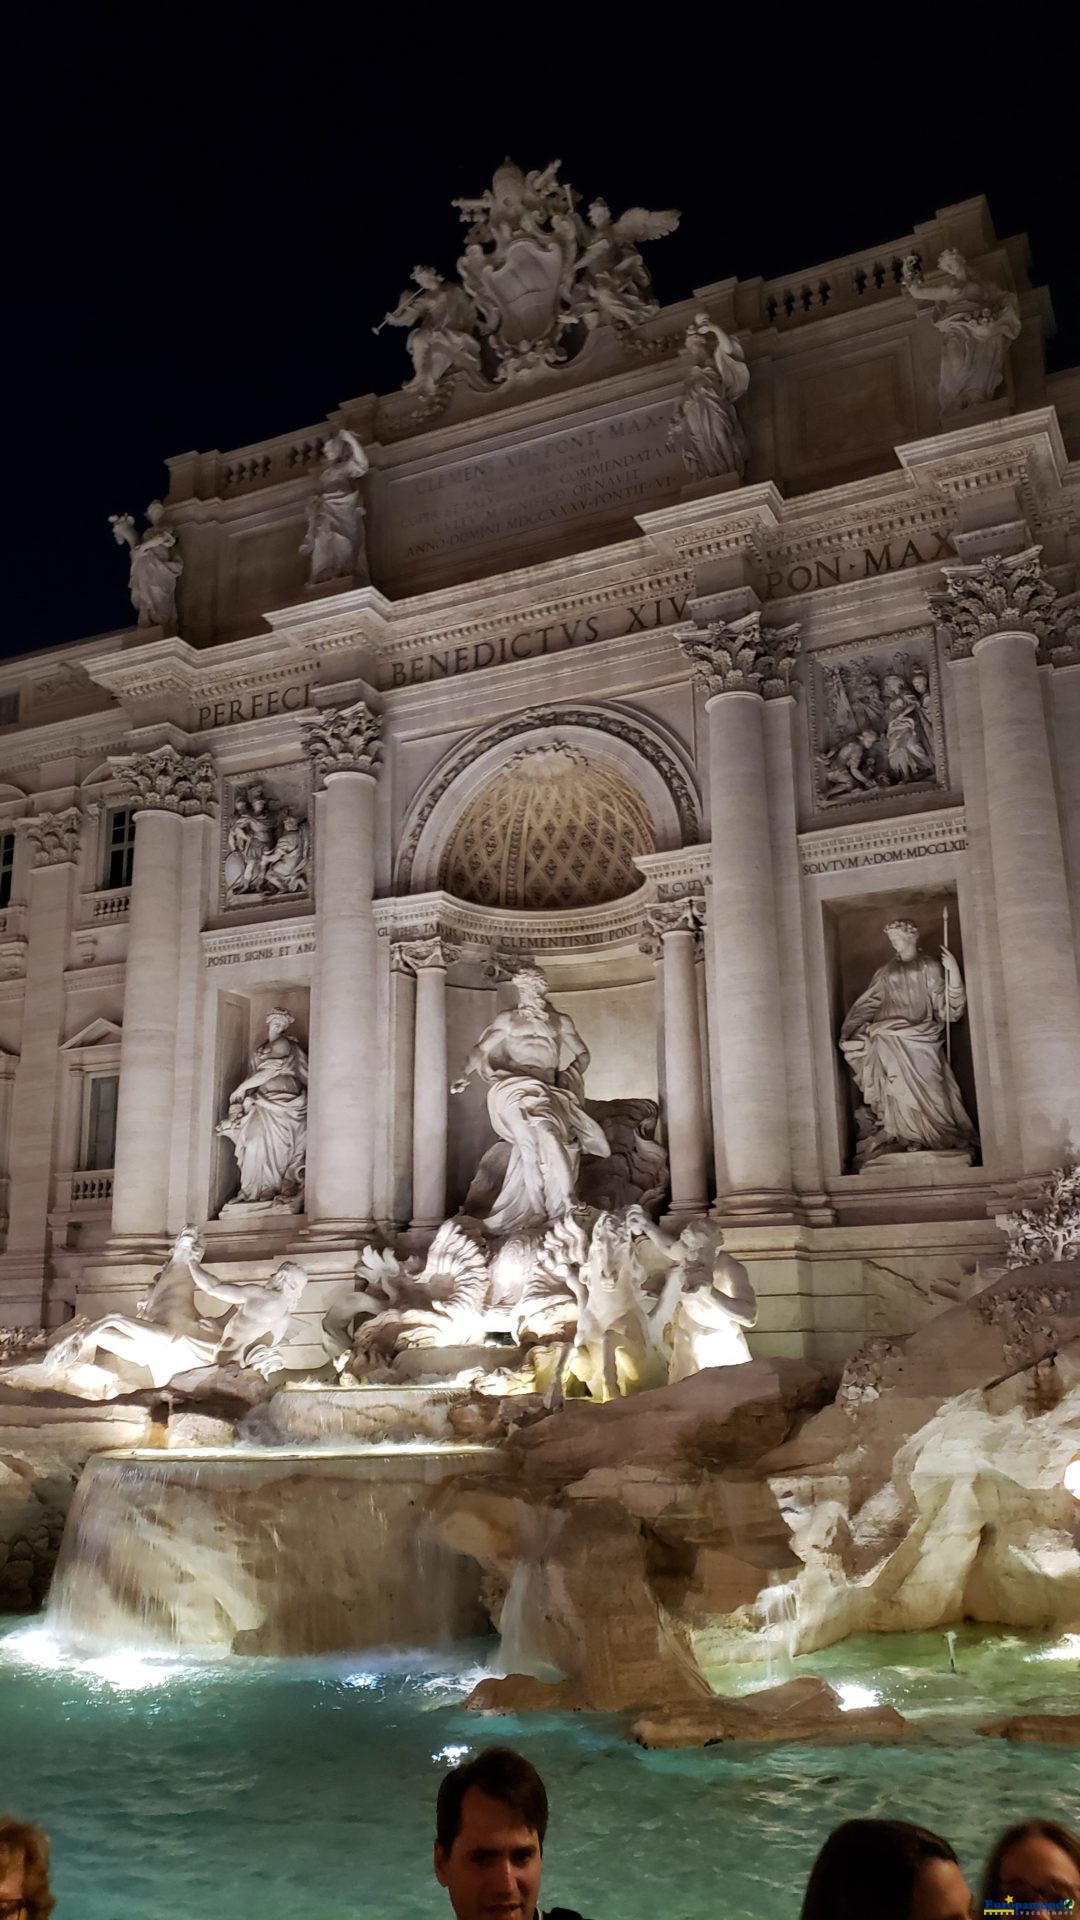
column 535, row 277
column 706, row 429
column 155, row 567
column 976, row 321
column 534, row 1105
column 893, row 1039
column 334, row 540
column 443, row 330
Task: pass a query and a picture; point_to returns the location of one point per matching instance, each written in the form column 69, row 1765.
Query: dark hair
column 502, row 1775
column 18, row 1840
column 1051, row 1830
column 870, row 1865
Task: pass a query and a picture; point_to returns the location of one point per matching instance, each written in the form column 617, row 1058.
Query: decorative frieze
column 1005, row 593
column 165, row 780
column 348, row 740
column 236, row 945
column 875, row 719
column 743, row 656
column 54, row 837
column 915, row 836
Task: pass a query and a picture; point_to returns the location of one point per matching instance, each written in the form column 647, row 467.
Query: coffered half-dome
column 551, row 829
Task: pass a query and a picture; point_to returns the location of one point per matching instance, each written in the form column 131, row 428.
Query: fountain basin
column 293, row 1550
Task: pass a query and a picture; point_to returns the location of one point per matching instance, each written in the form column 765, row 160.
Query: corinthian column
column 742, row 664
column 345, row 750
column 677, row 923
column 431, row 1082
column 165, row 789
column 53, row 840
column 998, row 612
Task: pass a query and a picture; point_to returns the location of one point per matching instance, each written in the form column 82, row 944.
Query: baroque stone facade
column 677, row 652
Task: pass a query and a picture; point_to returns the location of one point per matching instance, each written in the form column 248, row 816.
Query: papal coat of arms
column 536, row 278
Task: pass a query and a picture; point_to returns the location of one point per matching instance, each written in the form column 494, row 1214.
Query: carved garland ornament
column 54, row 837
column 346, row 741
column 167, row 781
column 533, row 718
column 743, row 656
column 1006, row 593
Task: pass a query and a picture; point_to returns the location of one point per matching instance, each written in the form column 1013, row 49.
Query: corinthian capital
column 676, row 916
column 1005, row 593
column 348, row 740
column 170, row 782
column 416, row 955
column 54, row 837
column 743, row 656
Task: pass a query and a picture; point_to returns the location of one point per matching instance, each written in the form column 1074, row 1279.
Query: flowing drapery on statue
column 535, row 1106
column 267, row 1123
column 893, row 1039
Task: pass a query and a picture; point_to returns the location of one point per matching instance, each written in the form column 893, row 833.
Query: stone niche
column 615, row 1016
column 241, row 1027
column 856, row 946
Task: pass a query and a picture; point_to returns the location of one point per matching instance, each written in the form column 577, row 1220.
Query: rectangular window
column 9, row 709
column 120, row 851
column 7, row 866
column 101, row 1127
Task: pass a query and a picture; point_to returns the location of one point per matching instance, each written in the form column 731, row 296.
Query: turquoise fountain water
column 258, row 1790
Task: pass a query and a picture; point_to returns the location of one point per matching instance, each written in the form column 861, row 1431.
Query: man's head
column 490, row 1822
column 532, row 987
column 24, row 1872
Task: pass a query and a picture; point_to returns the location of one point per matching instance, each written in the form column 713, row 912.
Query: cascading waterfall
column 285, row 1552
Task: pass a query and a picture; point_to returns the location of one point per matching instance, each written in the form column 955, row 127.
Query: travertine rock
column 1045, row 1729
column 804, row 1709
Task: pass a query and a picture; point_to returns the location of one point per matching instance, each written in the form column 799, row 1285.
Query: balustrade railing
column 92, row 1189
column 110, row 903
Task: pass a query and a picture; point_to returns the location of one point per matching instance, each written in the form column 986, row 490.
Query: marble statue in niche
column 334, row 541
column 535, row 279
column 894, row 1041
column 976, row 321
column 707, row 431
column 267, row 1124
column 876, row 732
column 167, row 1336
column 155, row 566
column 268, row 848
column 534, row 1105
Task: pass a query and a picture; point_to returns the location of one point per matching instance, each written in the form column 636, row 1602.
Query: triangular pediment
column 100, row 1033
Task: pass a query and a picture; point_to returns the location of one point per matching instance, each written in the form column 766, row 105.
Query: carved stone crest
column 536, row 278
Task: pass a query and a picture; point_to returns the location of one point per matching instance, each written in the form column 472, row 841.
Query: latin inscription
column 861, row 563
column 638, row 617
column 254, row 706
column 521, row 490
column 235, row 954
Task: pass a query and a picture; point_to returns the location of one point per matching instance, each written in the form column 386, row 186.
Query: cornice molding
column 878, row 843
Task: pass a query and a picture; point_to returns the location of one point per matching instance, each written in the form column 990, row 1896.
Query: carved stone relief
column 875, row 720
column 266, row 837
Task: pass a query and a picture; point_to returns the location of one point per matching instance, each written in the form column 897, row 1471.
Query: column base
column 346, row 1231
column 759, row 1207
column 676, row 1217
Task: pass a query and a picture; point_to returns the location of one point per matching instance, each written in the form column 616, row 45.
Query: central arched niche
column 550, row 830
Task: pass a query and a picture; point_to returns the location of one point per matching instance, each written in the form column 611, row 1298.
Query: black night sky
column 206, row 214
